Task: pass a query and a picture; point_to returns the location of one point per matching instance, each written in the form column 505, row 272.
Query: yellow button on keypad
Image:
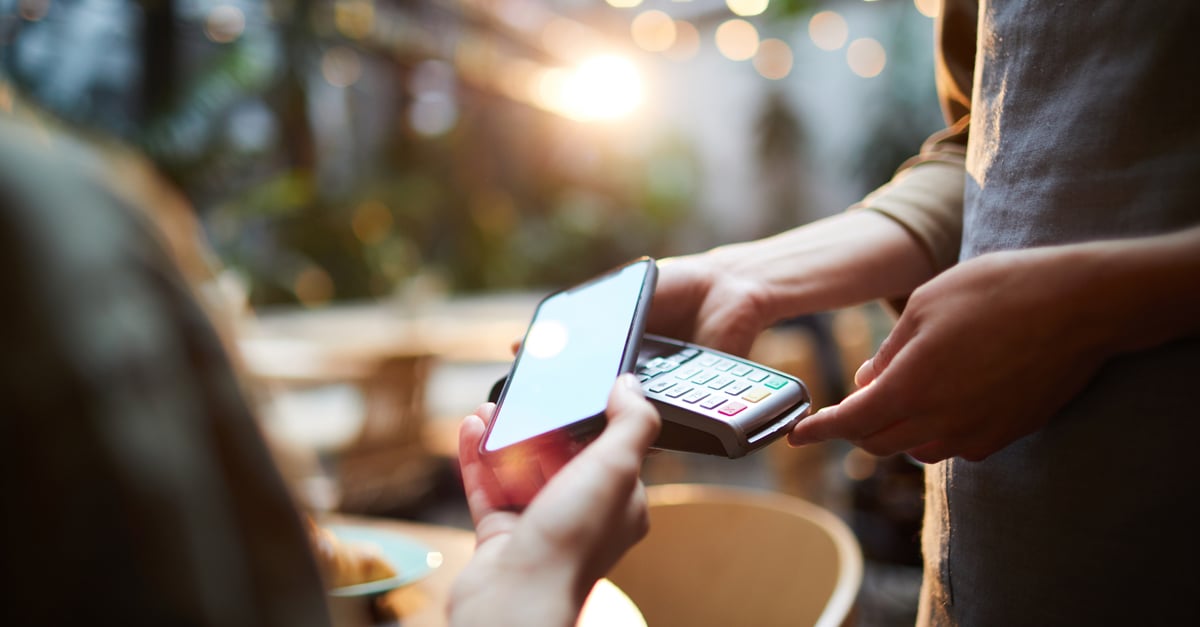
column 756, row 395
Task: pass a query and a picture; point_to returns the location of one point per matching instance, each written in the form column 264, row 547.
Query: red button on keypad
column 731, row 408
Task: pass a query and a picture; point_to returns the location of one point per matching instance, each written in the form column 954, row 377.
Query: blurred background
column 390, row 185
column 338, row 149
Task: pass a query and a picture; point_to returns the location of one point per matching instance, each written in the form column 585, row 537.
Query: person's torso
column 1085, row 125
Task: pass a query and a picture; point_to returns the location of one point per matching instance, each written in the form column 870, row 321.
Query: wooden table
column 325, row 370
column 423, row 603
column 466, row 328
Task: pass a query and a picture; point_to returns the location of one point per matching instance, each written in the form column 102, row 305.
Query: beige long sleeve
column 926, row 194
column 926, row 199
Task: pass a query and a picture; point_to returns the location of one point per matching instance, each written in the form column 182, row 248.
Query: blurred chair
column 389, row 466
column 721, row 557
column 858, row 332
column 362, row 413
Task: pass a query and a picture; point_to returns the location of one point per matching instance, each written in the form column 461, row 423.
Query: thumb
column 891, row 345
column 630, row 416
column 866, row 373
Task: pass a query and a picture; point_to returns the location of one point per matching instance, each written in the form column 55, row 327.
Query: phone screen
column 572, row 354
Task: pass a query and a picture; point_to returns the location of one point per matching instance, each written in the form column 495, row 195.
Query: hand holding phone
column 579, row 341
column 595, row 499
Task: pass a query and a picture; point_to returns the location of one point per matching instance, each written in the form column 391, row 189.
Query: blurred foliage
column 485, row 206
column 792, row 8
column 493, row 203
column 314, row 192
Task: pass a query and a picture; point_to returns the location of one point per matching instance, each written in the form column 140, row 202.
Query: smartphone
column 579, row 341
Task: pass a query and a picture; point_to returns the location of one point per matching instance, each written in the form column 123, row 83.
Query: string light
column 653, row 31
column 224, row 24
column 928, row 8
column 774, row 59
column 687, row 42
column 828, row 30
column 747, row 8
column 866, row 57
column 737, row 39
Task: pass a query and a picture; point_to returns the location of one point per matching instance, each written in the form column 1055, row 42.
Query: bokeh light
column 313, row 286
column 653, row 31
column 687, row 42
column 33, row 10
column 434, row 109
column 623, row 4
column 828, row 30
column 372, row 222
column 341, row 66
column 737, row 39
column 774, row 59
column 928, row 8
column 859, row 465
column 354, row 18
column 866, row 57
column 604, row 87
column 224, row 24
column 432, row 113
column 433, row 75
column 494, row 211
column 746, row 8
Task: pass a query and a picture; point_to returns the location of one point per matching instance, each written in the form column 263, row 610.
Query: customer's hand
column 982, row 355
column 536, row 567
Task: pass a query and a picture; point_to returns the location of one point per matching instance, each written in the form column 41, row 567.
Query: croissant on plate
column 347, row 563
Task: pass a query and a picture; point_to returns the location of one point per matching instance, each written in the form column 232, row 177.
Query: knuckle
column 928, row 455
